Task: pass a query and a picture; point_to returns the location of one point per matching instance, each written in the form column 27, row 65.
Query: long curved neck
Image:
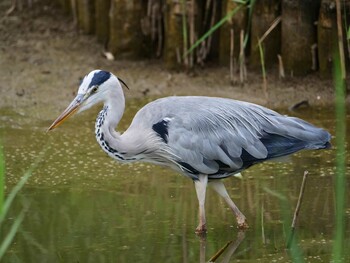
column 106, row 122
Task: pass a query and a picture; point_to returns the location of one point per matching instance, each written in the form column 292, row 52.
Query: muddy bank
column 42, row 58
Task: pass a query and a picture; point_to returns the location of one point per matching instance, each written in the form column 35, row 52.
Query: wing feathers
column 220, row 137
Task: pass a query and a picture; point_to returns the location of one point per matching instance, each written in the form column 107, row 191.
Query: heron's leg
column 220, row 188
column 201, row 186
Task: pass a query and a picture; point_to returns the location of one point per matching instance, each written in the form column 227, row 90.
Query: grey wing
column 221, row 137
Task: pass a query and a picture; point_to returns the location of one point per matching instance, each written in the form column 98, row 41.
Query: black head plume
column 122, row 81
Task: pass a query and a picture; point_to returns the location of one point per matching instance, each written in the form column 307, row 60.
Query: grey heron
column 204, row 138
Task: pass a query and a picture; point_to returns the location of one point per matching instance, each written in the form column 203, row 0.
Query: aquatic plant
column 340, row 178
column 340, row 110
column 5, row 203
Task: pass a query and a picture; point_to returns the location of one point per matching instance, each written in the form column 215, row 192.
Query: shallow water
column 82, row 206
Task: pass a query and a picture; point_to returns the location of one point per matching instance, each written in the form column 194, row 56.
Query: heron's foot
column 242, row 223
column 201, row 229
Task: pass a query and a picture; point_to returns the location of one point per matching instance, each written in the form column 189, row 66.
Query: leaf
column 2, row 178
column 11, row 196
column 11, row 234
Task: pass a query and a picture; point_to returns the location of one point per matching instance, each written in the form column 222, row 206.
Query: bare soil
column 43, row 57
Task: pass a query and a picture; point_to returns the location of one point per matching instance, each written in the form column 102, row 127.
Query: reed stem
column 340, row 179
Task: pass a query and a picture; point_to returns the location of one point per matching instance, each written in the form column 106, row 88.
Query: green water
column 82, row 206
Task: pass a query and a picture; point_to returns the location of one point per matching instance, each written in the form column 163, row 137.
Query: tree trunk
column 173, row 35
column 237, row 22
column 264, row 14
column 102, row 8
column 66, row 6
column 86, row 16
column 298, row 34
column 126, row 37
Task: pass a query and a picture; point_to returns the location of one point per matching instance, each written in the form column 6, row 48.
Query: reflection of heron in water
column 206, row 139
column 227, row 251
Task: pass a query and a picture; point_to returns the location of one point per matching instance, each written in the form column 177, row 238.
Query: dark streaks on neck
column 101, row 138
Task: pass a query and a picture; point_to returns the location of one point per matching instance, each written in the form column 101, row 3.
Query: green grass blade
column 242, row 2
column 9, row 237
column 2, row 178
column 250, row 15
column 213, row 29
column 11, row 196
column 274, row 193
column 262, row 59
column 294, row 251
column 340, row 180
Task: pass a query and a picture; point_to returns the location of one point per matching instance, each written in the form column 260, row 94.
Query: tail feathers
column 285, row 142
column 321, row 140
column 280, row 145
column 299, row 132
column 327, row 145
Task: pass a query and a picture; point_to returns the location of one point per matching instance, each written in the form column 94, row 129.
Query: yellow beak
column 70, row 110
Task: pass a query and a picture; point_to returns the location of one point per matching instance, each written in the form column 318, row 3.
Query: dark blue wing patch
column 161, row 128
column 277, row 146
column 99, row 78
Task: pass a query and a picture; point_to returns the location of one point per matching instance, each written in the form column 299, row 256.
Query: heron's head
column 94, row 88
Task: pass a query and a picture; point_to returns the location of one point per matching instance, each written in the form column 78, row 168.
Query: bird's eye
column 94, row 89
